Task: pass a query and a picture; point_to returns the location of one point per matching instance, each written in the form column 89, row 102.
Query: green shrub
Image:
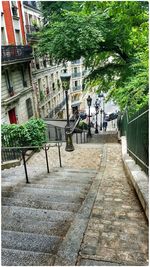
column 31, row 133
column 82, row 125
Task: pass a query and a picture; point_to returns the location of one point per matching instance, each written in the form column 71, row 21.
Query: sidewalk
column 117, row 231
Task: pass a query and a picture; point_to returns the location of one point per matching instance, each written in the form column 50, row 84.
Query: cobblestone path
column 117, row 232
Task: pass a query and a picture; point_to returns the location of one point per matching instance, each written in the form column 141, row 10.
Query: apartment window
column 76, row 83
column 9, row 82
column 23, row 76
column 14, row 8
column 75, row 70
column 18, row 39
column 29, row 108
column 53, row 86
column 3, row 36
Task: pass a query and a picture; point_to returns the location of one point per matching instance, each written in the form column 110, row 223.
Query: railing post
column 46, row 148
column 25, row 167
column 59, row 155
column 76, row 138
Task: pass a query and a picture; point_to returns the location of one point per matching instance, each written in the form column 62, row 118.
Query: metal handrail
column 46, row 147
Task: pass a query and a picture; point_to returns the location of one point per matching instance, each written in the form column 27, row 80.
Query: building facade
column 17, row 104
column 31, row 85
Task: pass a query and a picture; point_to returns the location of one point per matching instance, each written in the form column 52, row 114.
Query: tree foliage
column 111, row 36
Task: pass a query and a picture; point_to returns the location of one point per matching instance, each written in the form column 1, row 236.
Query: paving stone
column 88, row 262
column 124, row 228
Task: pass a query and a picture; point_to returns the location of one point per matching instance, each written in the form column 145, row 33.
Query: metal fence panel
column 137, row 132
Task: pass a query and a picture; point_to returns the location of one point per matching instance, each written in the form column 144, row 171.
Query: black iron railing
column 20, row 153
column 31, row 28
column 136, row 130
column 76, row 74
column 76, row 88
column 14, row 52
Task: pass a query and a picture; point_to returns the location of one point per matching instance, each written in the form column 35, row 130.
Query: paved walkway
column 117, row 232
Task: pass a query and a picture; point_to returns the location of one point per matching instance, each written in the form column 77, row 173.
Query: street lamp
column 96, row 109
column 101, row 111
column 65, row 79
column 89, row 102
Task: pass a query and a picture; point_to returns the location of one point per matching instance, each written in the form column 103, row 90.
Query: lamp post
column 101, row 111
column 101, row 95
column 65, row 79
column 89, row 102
column 96, row 109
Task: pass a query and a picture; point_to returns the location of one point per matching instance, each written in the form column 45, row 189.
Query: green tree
column 113, row 39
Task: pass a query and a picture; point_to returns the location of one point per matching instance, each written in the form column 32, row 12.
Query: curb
column 137, row 177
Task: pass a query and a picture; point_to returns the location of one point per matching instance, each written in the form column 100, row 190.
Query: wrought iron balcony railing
column 31, row 28
column 15, row 52
column 76, row 74
column 76, row 88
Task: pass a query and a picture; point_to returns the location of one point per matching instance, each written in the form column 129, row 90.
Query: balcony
column 76, row 74
column 76, row 61
column 31, row 28
column 13, row 53
column 77, row 88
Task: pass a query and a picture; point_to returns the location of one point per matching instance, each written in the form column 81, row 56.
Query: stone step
column 30, row 242
column 40, row 204
column 13, row 257
column 47, row 192
column 58, row 228
column 22, row 213
column 75, row 170
column 37, row 197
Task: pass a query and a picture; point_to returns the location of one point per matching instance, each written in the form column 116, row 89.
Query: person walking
column 105, row 126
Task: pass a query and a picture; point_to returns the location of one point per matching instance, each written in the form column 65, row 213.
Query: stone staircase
column 36, row 217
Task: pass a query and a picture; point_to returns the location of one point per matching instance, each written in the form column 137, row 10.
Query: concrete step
column 13, row 257
column 40, row 204
column 57, row 228
column 48, row 197
column 47, row 192
column 36, row 217
column 30, row 242
column 39, row 214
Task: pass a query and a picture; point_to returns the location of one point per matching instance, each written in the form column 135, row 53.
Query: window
column 29, row 108
column 75, row 70
column 9, row 82
column 14, row 8
column 3, row 36
column 18, row 40
column 76, row 83
column 23, row 76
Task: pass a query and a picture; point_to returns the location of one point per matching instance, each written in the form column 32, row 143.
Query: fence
column 136, row 129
